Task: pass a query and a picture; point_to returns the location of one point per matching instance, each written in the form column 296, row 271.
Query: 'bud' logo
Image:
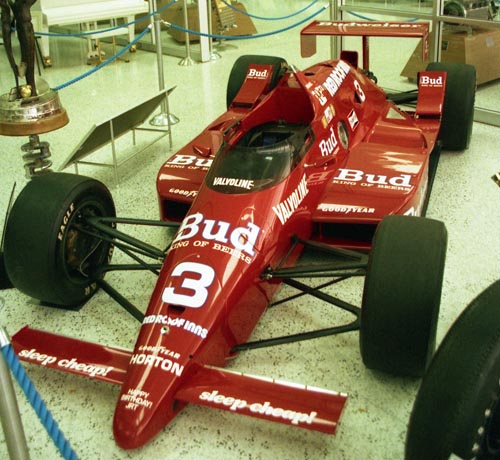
column 242, row 238
column 260, row 75
column 428, row 81
column 355, row 175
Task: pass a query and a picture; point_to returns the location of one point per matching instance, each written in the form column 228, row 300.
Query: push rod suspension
column 324, row 296
column 354, row 326
column 97, row 223
column 125, row 303
column 300, row 294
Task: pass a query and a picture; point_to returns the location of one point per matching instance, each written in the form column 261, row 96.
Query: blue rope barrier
column 110, row 29
column 104, row 63
column 268, row 19
column 246, row 37
column 366, row 18
column 173, row 26
column 37, row 403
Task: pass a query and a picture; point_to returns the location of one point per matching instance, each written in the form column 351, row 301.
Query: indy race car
column 312, row 174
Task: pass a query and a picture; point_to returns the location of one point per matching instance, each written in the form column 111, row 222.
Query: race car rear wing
column 363, row 29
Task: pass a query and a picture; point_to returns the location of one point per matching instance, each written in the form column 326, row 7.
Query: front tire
column 457, row 409
column 402, row 294
column 49, row 254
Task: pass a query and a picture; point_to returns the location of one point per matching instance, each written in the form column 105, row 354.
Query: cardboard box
column 175, row 15
column 479, row 48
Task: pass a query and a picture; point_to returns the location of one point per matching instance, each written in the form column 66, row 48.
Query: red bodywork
column 360, row 158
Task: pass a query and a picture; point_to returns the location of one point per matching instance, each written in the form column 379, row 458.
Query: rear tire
column 458, row 108
column 46, row 254
column 457, row 409
column 402, row 294
column 240, row 68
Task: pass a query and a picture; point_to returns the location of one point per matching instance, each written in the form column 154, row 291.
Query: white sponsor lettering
column 187, row 325
column 190, row 160
column 425, row 80
column 265, row 408
column 240, row 183
column 329, row 146
column 159, row 349
column 242, row 238
column 164, row 364
column 186, row 193
column 336, row 77
column 92, row 370
column 33, row 356
column 319, row 93
column 254, row 73
column 375, row 25
column 346, row 209
column 286, row 208
column 355, row 175
column 65, row 221
column 135, row 398
column 232, row 252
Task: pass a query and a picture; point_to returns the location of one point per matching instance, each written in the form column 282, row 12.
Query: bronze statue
column 26, row 36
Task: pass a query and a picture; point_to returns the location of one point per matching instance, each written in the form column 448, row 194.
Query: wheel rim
column 82, row 253
column 492, row 435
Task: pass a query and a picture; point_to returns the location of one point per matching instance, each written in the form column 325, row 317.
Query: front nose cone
column 134, row 427
column 128, row 432
column 137, row 421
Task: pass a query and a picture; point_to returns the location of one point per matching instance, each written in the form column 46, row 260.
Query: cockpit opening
column 263, row 157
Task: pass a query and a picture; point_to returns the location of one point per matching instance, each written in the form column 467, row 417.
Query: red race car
column 304, row 173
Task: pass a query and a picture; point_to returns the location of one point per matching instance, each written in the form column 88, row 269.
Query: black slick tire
column 458, row 107
column 402, row 295
column 456, row 413
column 47, row 255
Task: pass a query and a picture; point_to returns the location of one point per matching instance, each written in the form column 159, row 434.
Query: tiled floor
column 374, row 424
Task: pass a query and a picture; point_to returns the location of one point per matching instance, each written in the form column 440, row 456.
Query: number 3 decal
column 196, row 284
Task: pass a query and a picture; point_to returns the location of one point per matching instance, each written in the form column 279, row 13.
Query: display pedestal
column 479, row 48
column 175, row 15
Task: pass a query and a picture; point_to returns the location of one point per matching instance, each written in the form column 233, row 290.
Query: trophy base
column 31, row 115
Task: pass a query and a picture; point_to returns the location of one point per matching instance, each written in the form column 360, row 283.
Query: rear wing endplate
column 363, row 29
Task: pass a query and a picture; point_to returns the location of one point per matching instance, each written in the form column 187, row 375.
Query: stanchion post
column 152, row 9
column 187, row 61
column 213, row 54
column 9, row 410
column 334, row 41
column 165, row 118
